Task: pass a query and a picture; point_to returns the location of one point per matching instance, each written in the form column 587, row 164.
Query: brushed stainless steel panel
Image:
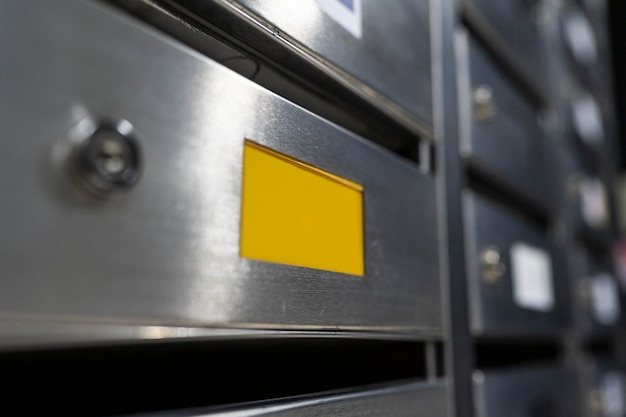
column 403, row 400
column 27, row 333
column 19, row 333
column 393, row 56
column 494, row 311
column 537, row 391
column 167, row 252
column 501, row 134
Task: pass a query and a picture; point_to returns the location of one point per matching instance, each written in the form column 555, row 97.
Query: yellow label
column 296, row 214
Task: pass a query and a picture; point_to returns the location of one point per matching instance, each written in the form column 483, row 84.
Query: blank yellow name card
column 296, row 214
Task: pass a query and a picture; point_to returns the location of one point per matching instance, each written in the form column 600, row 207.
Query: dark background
column 617, row 28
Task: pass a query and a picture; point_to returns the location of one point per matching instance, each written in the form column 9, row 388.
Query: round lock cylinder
column 493, row 267
column 612, row 393
column 103, row 156
column 484, row 103
column 595, row 403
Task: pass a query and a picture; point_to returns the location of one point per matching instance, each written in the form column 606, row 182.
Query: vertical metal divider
column 458, row 347
column 560, row 230
column 430, row 357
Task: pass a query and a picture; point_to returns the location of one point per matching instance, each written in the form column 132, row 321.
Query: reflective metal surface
column 380, row 57
column 403, row 400
column 167, row 252
column 26, row 333
column 501, row 134
column 36, row 333
column 256, row 50
column 494, row 308
column 541, row 391
column 377, row 62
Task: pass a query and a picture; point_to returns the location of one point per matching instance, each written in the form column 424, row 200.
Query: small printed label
column 594, row 203
column 588, row 120
column 531, row 270
column 613, row 394
column 581, row 37
column 348, row 13
column 604, row 299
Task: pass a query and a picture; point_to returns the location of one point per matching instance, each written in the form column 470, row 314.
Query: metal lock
column 103, row 157
column 584, row 292
column 573, row 186
column 493, row 267
column 484, row 103
column 595, row 403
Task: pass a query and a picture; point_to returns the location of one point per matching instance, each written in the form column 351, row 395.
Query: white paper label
column 348, row 13
column 531, row 270
column 588, row 120
column 613, row 394
column 581, row 37
column 594, row 203
column 604, row 299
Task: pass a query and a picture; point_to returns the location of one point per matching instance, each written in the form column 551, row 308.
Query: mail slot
column 412, row 399
column 534, row 391
column 215, row 154
column 501, row 135
column 363, row 43
column 516, row 284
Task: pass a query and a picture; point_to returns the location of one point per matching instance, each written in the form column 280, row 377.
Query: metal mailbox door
column 92, row 91
column 516, row 278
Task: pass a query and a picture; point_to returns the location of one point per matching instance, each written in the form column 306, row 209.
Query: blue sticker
column 348, row 3
column 348, row 13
